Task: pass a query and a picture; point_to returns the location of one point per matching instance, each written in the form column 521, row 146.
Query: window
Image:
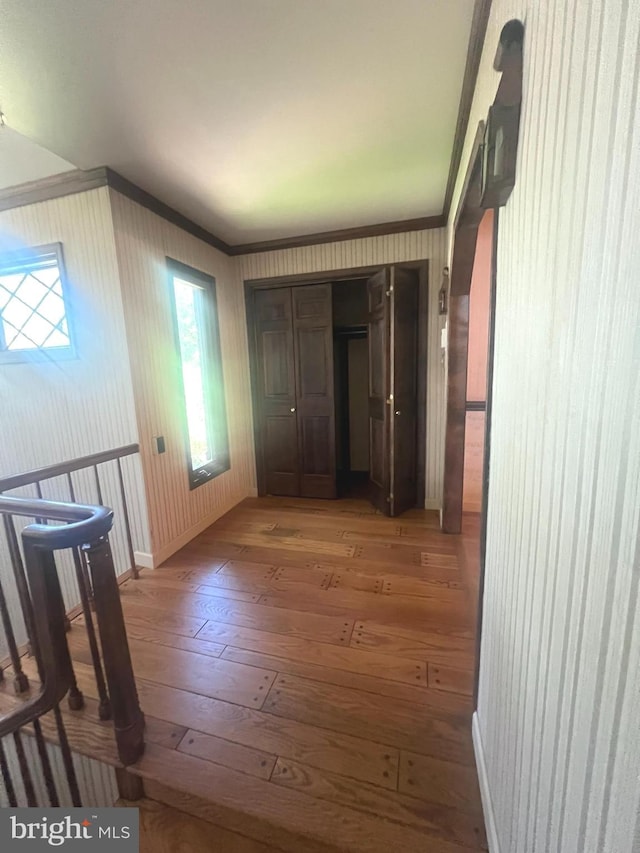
column 33, row 308
column 193, row 295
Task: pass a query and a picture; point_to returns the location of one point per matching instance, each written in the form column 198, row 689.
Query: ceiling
column 257, row 119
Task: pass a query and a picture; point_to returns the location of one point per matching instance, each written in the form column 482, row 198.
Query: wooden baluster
column 43, row 577
column 45, row 763
column 6, row 778
column 20, row 681
column 27, row 781
column 67, row 623
column 127, row 525
column 75, row 697
column 127, row 716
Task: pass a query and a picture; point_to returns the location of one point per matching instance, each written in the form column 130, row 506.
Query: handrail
column 15, row 481
column 87, row 529
column 86, row 523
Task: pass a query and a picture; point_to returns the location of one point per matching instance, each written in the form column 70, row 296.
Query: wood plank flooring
column 306, row 671
column 166, row 830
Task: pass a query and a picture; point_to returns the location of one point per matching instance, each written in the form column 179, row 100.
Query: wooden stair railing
column 83, row 530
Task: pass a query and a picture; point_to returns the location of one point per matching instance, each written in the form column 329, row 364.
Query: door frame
column 486, row 185
column 253, row 284
column 466, row 225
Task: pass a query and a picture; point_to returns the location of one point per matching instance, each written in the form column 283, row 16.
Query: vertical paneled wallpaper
column 557, row 729
column 59, row 410
column 392, row 248
column 143, row 241
column 96, row 781
column 52, row 411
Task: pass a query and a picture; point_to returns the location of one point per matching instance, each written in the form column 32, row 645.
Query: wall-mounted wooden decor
column 500, row 144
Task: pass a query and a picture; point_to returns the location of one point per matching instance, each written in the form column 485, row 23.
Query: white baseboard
column 152, row 561
column 432, row 503
column 143, row 559
column 253, row 493
column 485, row 793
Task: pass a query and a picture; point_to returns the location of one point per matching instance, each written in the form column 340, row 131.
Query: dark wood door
column 276, row 391
column 403, row 348
column 378, row 288
column 313, row 346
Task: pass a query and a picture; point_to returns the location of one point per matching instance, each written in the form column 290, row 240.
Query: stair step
column 164, row 829
column 286, row 819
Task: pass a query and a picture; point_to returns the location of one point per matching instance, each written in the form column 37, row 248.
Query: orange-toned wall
column 477, row 365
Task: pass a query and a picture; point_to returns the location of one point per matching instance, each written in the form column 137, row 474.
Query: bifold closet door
column 403, row 345
column 378, row 288
column 294, row 348
column 313, row 359
column 393, row 364
column 276, row 390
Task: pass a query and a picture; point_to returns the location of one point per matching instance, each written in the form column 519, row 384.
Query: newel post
column 128, row 719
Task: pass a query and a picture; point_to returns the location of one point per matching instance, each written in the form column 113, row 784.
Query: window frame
column 214, row 388
column 24, row 258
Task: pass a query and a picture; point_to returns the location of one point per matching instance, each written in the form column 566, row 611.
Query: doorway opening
column 477, row 357
column 474, row 473
column 351, row 384
column 338, row 371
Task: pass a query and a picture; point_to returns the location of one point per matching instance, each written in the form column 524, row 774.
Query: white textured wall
column 392, row 248
column 143, row 240
column 559, row 706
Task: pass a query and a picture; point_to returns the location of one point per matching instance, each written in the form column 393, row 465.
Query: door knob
column 292, row 409
column 397, row 411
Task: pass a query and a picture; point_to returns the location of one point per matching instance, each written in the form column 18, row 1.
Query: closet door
column 313, row 346
column 393, row 364
column 403, row 348
column 276, row 391
column 379, row 381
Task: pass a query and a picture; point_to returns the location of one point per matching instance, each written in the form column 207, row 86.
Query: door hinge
column 390, row 291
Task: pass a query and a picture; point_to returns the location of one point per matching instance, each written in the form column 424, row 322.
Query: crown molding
column 79, row 181
column 142, row 197
column 56, row 186
column 358, row 233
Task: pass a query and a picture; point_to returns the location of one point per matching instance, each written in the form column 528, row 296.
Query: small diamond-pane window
column 33, row 311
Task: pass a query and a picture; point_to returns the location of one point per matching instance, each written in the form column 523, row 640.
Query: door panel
column 312, row 363
column 313, row 345
column 379, row 379
column 376, row 462
column 276, row 391
column 276, row 364
column 316, row 445
column 404, row 388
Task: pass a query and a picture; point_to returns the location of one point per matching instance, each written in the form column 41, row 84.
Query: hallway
column 306, row 667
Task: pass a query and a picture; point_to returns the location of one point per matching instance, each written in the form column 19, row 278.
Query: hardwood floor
column 167, row 830
column 306, row 672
